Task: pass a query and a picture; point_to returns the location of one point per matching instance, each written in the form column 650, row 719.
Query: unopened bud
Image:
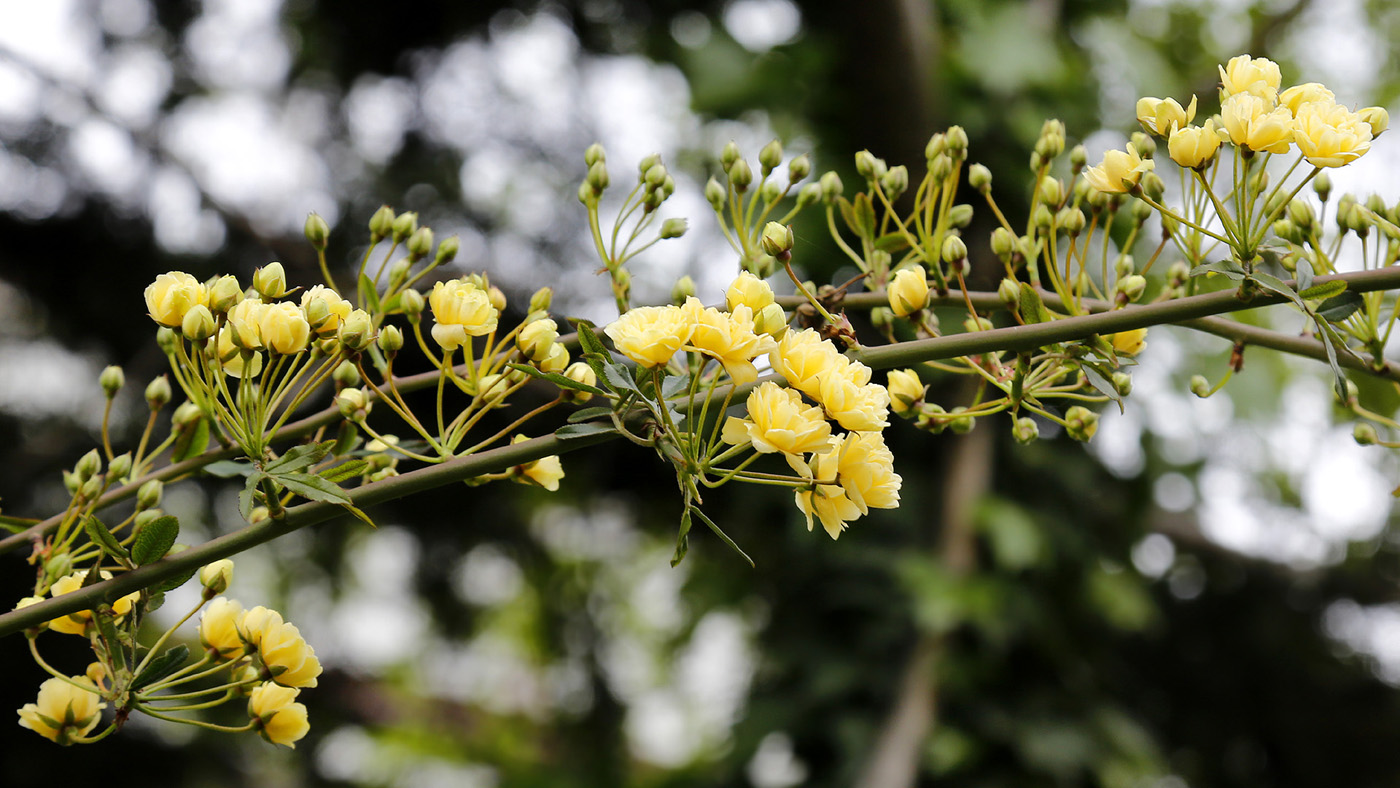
column 1200, row 386
column 715, row 194
column 1322, row 185
column 1050, row 191
column 88, row 466
column 411, row 302
column 654, row 176
column 398, row 272
column 673, row 228
column 270, row 281
column 777, row 240
column 352, row 403
column 960, row 215
column 1078, row 158
column 895, row 181
column 147, row 517
column 594, row 154
column 1144, row 145
column 961, row 425
column 1365, row 434
column 149, row 494
column 198, row 324
column 579, row 372
column 808, row 195
column 1025, row 430
column 1081, row 423
column 356, row 330
column 1071, row 220
column 537, row 338
column 187, row 415
column 1132, row 287
column 979, row 178
column 1122, row 383
column 799, row 168
column 345, row 375
column 111, row 380
column 405, row 224
column 728, row 155
column 216, row 577
column 954, row 249
column 420, row 243
column 1009, row 291
column 685, row 288
column 381, row 224
column 740, row 176
column 1003, row 243
column 597, row 179
column 1375, row 117
column 831, row 187
column 225, row 294
column 317, row 231
column 167, row 340
column 870, row 167
column 770, row 156
column 956, row 139
column 940, row 167
column 90, row 489
column 158, row 393
column 390, row 339
column 936, row 145
column 119, row 467
column 1043, row 220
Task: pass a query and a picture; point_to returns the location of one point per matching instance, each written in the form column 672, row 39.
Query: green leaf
column 1030, row 305
column 312, row 487
column 227, row 469
column 16, row 525
column 347, row 438
column 1277, row 286
column 161, row 666
column 864, row 211
column 393, row 304
column 892, row 242
column 1339, row 307
column 587, row 339
column 359, row 514
column 1324, row 290
column 1303, row 272
column 619, row 377
column 1101, row 383
column 682, row 539
column 172, row 583
column 102, row 536
column 344, row 471
column 247, row 499
column 847, row 213
column 299, row 457
column 1328, row 337
column 370, row 294
column 558, row 380
column 673, row 385
column 587, row 414
column 155, row 540
column 1229, row 268
column 573, row 431
column 192, row 442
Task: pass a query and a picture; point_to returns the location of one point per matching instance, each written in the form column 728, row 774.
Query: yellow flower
column 582, row 373
column 1163, row 116
column 1129, row 343
column 286, row 657
column 750, row 291
column 859, row 471
column 536, row 339
column 727, row 337
column 280, row 719
column 218, row 627
column 557, row 359
column 62, row 711
column 1295, row 97
column 1244, row 75
column 801, row 357
column 337, row 309
column 216, row 575
column 1194, row 147
column 908, row 291
column 906, row 390
column 283, row 328
column 244, row 319
column 460, row 309
column 1119, row 171
column 172, row 295
column 1375, row 117
column 1255, row 124
column 779, row 421
column 852, row 400
column 231, row 357
column 76, row 623
column 1330, row 135
column 544, row 472
column 771, row 320
column 650, row 335
column 830, row 505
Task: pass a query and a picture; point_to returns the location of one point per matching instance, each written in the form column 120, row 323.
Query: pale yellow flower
column 283, row 328
column 280, row 719
column 771, row 320
column 727, row 337
column 1295, row 97
column 650, row 335
column 1253, row 123
column 544, row 472
column 76, row 623
column 172, row 295
column 906, row 389
column 217, row 575
column 1163, row 116
column 1330, row 135
column 852, row 400
column 859, row 473
column 460, row 310
column 256, row 620
column 286, row 657
column 1129, row 343
column 750, row 291
column 1375, row 117
column 218, row 627
column 1119, row 172
column 244, row 319
column 779, row 421
column 581, row 373
column 1245, row 75
column 62, row 711
column 908, row 291
column 556, row 360
column 1194, row 147
column 231, row 357
column 830, row 505
column 801, row 357
column 536, row 339
column 337, row 309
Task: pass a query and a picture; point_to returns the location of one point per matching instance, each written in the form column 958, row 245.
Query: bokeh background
column 1206, row 596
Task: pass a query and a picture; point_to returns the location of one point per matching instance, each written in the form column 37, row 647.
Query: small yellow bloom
column 1295, row 97
column 859, row 473
column 906, row 390
column 556, row 360
column 62, row 711
column 231, row 357
column 1330, row 135
column 544, row 472
column 779, row 421
column 1375, row 117
column 280, row 719
column 1194, row 147
column 536, row 339
column 1119, row 172
column 76, row 623
column 908, row 291
column 581, row 373
column 771, row 320
column 1163, row 116
column 853, row 401
column 1129, row 343
column 727, row 337
column 1253, row 123
column 802, row 357
column 218, row 627
column 283, row 328
column 286, row 657
column 172, row 295
column 244, row 319
column 216, row 575
column 750, row 291
column 337, row 309
column 460, row 309
column 1244, row 75
column 650, row 335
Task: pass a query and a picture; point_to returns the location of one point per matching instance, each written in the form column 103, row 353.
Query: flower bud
column 345, row 375
column 594, row 154
column 740, row 176
column 215, row 577
column 728, row 155
column 956, row 139
column 90, row 489
column 961, row 425
column 356, row 331
column 187, row 415
column 579, row 372
column 381, row 224
column 1131, row 287
column 1322, row 185
column 1078, row 158
column 1009, row 291
column 1081, row 423
column 799, row 168
column 1145, row 145
column 88, row 466
column 808, row 195
column 1365, row 434
column 270, row 281
column 979, row 178
column 147, row 517
column 1025, row 430
column 317, row 231
column 831, row 187
column 1071, row 220
column 1003, row 243
column 58, row 565
column 715, row 194
column 198, row 324
column 1051, row 190
column 119, row 467
column 111, row 380
column 149, row 494
column 882, row 316
column 352, row 403
column 870, row 167
column 908, row 291
column 954, row 249
column 1375, row 117
column 536, row 338
column 225, row 294
column 777, row 240
column 771, row 320
column 770, row 156
column 597, row 179
column 906, row 391
column 398, row 272
column 895, row 181
column 684, row 288
column 673, row 228
column 390, row 339
column 405, row 224
column 937, row 144
column 771, row 192
column 1043, row 220
column 940, row 167
column 167, row 340
column 420, row 243
column 1200, row 386
column 1351, row 393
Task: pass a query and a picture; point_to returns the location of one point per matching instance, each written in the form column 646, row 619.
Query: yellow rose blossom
column 1129, row 343
column 279, row 718
column 286, row 657
column 908, row 291
column 243, row 320
column 460, row 310
column 1163, row 116
column 801, row 357
column 1252, row 123
column 750, row 291
column 771, row 320
column 779, row 421
column 544, row 472
column 283, row 328
column 231, row 357
column 865, row 469
column 1330, row 135
column 76, row 623
column 1119, row 172
column 218, row 627
column 1255, row 76
column 62, row 711
column 727, row 337
column 1295, row 97
column 536, row 339
column 830, row 505
column 172, row 295
column 581, row 373
column 1375, row 117
column 256, row 620
column 1194, row 147
column 650, row 335
column 906, row 390
column 556, row 360
column 853, row 401
column 338, row 309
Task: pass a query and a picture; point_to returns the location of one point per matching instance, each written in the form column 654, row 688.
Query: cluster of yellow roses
column 1255, row 116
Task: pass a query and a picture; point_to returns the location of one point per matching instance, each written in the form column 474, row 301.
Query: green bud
column 644, row 166
column 198, row 324
column 1351, row 394
column 1288, row 231
column 541, row 300
column 1144, row 144
column 1048, row 147
column 215, row 577
column 411, row 302
column 1072, row 220
column 1152, row 186
column 346, row 376
column 895, row 181
column 654, row 176
column 147, row 517
column 979, row 178
column 1037, row 161
column 936, row 145
column 597, row 178
column 1043, row 220
column 956, row 139
column 90, row 489
column 317, row 231
column 1122, row 383
column 158, row 393
column 1078, row 158
column 390, row 339
column 1200, row 386
column 356, row 331
column 728, row 155
column 1365, row 434
column 960, row 215
column 188, row 414
column 1025, row 430
column 771, row 192
column 770, row 156
column 225, row 294
column 167, row 340
column 715, row 194
column 954, row 249
column 685, row 288
column 870, row 167
column 977, row 323
column 447, row 250
column 317, row 312
column 586, row 194
column 1009, row 291
column 1050, row 190
column 740, row 176
column 808, row 195
column 420, row 243
column 1178, row 272
column 149, row 494
column 381, row 224
column 111, row 380
column 1375, row 204
column 270, row 281
column 1322, row 185
column 593, row 154
column 405, row 224
column 58, row 565
column 1131, row 287
column 1259, row 181
column 799, row 168
column 1003, row 243
column 961, row 425
column 1141, row 210
column 831, row 187
column 881, row 316
column 353, row 404
column 777, row 240
column 1124, row 266
column 940, row 167
column 1081, row 423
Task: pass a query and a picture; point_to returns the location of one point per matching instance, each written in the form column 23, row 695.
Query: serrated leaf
column 673, row 385
column 682, row 539
column 191, row 442
column 344, row 471
column 1339, row 307
column 227, row 469
column 155, row 540
column 559, row 380
column 892, row 242
column 1228, row 268
column 1324, row 290
column 370, row 295
column 312, row 487
column 1303, row 272
column 575, row 431
column 619, row 377
column 161, row 666
column 587, row 414
column 102, row 536
column 596, row 362
column 298, row 457
column 587, row 339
